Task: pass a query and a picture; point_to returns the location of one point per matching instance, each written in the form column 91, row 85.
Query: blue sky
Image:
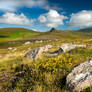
column 42, row 15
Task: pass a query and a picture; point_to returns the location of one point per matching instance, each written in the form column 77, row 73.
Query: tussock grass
column 47, row 74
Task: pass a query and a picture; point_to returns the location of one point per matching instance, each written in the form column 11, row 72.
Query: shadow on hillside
column 2, row 36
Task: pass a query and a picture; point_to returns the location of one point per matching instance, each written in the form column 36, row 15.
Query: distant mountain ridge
column 86, row 30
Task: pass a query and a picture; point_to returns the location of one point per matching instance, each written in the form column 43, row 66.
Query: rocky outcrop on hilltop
column 53, row 30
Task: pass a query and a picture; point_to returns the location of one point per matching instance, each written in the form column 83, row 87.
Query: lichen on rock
column 80, row 77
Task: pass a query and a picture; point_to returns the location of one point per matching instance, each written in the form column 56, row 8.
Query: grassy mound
column 13, row 33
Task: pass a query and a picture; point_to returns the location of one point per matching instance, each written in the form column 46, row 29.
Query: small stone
column 39, row 41
column 14, row 49
column 26, row 43
column 10, row 48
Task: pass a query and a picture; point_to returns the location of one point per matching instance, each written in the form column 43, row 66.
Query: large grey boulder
column 36, row 53
column 80, row 77
column 66, row 48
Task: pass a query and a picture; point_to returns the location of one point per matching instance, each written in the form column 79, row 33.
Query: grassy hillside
column 13, row 33
column 65, row 35
column 43, row 75
column 21, row 35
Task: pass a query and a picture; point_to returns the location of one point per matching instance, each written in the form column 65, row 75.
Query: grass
column 47, row 74
column 7, row 34
column 43, row 75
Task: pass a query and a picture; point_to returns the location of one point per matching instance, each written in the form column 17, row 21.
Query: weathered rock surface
column 36, row 53
column 57, row 52
column 80, row 77
column 26, row 43
column 67, row 47
column 39, row 41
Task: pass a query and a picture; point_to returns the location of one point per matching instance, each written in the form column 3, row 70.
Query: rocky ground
column 77, row 80
column 49, row 62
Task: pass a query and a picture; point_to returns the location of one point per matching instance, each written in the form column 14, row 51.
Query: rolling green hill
column 64, row 35
column 16, row 33
column 21, row 34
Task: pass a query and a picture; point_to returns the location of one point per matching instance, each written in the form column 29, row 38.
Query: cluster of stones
column 80, row 77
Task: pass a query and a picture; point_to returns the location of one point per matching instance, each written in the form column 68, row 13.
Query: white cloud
column 52, row 19
column 81, row 19
column 11, row 18
column 12, row 5
column 54, row 7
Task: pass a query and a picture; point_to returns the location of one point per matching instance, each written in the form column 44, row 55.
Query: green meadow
column 7, row 34
column 46, row 74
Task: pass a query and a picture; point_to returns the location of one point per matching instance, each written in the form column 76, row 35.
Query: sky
column 42, row 15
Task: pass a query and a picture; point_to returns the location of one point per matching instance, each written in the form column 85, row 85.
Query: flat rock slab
column 66, row 48
column 36, row 53
column 80, row 77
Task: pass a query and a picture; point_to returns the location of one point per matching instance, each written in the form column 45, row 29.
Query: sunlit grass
column 48, row 73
